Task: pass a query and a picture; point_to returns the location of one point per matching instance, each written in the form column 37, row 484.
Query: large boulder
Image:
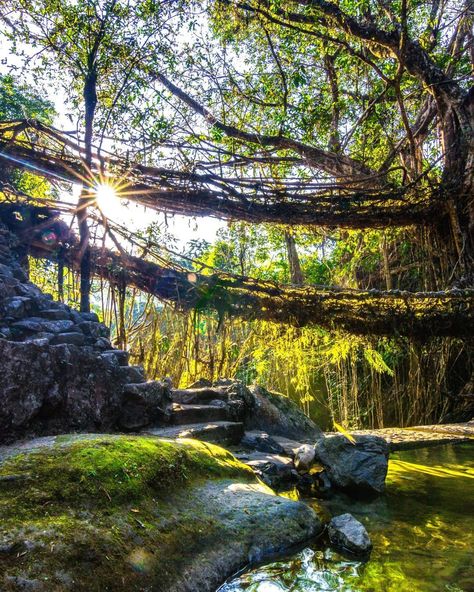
column 359, row 467
column 280, row 416
column 128, row 514
column 348, row 534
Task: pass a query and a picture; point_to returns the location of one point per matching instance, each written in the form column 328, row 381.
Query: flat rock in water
column 348, row 534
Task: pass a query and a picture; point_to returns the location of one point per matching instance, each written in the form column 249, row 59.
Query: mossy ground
column 114, row 506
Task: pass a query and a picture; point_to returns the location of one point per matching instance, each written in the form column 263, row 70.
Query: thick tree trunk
column 457, row 128
column 296, row 273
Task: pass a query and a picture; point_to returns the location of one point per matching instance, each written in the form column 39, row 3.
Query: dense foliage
column 346, row 126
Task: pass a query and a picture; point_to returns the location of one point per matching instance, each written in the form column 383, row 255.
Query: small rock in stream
column 304, row 457
column 348, row 534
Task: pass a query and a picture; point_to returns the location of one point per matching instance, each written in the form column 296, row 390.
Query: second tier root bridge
column 420, row 315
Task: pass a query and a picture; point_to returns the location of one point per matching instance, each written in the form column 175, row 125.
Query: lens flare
column 49, row 238
column 105, row 193
column 107, row 199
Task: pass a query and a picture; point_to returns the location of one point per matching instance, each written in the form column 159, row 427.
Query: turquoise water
column 422, row 529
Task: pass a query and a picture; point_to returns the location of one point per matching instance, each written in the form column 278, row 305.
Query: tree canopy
column 301, row 113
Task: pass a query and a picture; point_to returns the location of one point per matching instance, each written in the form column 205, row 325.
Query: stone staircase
column 206, row 413
column 60, row 371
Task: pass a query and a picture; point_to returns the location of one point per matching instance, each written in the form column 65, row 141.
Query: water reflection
column 309, row 571
column 422, row 530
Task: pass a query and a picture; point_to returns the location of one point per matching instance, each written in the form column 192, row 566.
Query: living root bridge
column 56, row 156
column 421, row 315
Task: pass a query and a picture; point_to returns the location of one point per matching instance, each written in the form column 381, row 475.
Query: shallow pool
column 422, row 529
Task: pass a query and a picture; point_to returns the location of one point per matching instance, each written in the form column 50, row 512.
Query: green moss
column 111, row 470
column 119, row 506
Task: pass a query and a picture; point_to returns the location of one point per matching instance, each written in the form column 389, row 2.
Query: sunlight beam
column 107, row 199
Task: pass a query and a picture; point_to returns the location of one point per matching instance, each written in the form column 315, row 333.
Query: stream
column 422, row 529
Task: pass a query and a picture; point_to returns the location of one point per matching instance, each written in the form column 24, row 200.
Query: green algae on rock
column 111, row 513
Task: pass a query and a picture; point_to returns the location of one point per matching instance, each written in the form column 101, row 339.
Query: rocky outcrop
column 59, row 371
column 348, row 534
column 123, row 513
column 47, row 389
column 359, row 467
column 280, row 416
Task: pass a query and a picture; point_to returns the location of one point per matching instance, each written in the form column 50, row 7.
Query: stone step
column 37, row 324
column 190, row 414
column 199, row 395
column 218, row 432
column 18, row 307
column 119, row 354
column 73, row 338
column 133, row 374
column 55, row 314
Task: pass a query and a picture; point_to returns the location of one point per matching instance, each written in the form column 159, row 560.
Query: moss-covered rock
column 112, row 513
